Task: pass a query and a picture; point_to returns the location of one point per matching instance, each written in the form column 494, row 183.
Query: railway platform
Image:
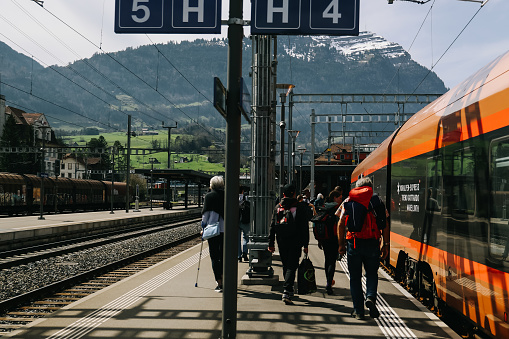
column 164, row 302
column 22, row 231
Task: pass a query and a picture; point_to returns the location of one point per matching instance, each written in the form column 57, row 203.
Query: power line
column 179, row 72
column 134, row 74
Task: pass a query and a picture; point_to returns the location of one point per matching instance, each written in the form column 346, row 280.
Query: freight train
column 20, row 194
column 444, row 176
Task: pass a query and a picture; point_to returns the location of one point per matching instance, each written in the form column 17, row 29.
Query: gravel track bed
column 22, row 279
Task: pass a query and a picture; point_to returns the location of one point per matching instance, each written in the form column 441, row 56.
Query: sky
column 426, row 31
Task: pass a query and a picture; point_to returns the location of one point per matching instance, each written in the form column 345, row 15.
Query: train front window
column 499, row 212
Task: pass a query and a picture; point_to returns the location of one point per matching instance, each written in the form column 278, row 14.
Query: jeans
column 367, row 253
column 216, row 255
column 330, row 251
column 244, row 229
column 290, row 254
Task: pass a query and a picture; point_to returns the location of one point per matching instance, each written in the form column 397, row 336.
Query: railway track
column 24, row 308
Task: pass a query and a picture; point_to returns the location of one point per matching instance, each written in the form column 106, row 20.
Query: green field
column 195, row 162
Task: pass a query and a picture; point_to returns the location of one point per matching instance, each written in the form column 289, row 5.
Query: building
column 77, row 167
column 339, row 154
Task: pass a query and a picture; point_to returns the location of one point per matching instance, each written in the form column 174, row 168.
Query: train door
column 498, row 235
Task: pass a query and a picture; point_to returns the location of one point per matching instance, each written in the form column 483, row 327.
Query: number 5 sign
column 167, row 16
column 301, row 17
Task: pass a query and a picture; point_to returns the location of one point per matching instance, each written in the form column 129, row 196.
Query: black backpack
column 377, row 206
column 285, row 221
column 245, row 211
column 324, row 223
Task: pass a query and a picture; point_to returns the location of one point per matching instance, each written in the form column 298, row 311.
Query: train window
column 499, row 214
column 434, row 182
column 463, row 185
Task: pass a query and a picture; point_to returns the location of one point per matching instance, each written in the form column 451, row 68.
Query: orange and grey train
column 444, row 176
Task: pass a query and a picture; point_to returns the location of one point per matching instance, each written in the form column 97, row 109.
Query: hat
column 289, row 190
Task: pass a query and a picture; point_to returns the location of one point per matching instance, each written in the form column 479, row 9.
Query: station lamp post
column 293, row 134
column 169, row 141
column 151, row 160
column 282, row 125
column 301, row 150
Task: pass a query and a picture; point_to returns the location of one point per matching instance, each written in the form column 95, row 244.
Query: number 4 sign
column 300, row 17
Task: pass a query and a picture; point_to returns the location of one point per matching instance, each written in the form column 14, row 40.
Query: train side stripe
column 491, row 276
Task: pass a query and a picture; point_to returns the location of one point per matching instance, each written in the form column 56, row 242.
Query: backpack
column 323, row 224
column 285, row 221
column 377, row 206
column 245, row 211
column 365, row 223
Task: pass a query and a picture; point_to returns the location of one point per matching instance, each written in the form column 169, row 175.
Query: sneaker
column 373, row 311
column 358, row 315
column 245, row 257
column 329, row 290
column 287, row 299
column 219, row 288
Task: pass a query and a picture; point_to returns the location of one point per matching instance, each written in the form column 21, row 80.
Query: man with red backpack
column 364, row 219
column 290, row 228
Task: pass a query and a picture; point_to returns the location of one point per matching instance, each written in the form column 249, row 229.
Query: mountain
column 153, row 84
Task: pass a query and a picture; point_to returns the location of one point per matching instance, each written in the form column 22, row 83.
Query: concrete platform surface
column 163, row 302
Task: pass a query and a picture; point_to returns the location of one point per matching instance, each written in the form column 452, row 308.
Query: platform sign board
column 305, row 17
column 168, row 16
column 220, row 97
column 245, row 100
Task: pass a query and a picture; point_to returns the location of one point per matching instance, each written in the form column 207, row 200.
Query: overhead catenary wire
column 79, row 57
column 447, row 49
column 134, row 74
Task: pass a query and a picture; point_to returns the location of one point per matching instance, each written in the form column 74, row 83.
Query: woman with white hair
column 213, row 211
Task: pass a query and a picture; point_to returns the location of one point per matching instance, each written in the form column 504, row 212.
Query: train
column 444, row 176
column 20, row 194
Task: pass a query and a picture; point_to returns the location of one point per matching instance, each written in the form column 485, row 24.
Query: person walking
column 213, row 211
column 363, row 245
column 289, row 226
column 329, row 244
column 244, row 224
column 319, row 202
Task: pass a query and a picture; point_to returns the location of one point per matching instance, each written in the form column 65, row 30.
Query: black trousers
column 290, row 254
column 330, row 251
column 216, row 255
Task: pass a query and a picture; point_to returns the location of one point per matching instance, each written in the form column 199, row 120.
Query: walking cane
column 199, row 261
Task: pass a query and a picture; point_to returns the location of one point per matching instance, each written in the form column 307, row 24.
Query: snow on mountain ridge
column 352, row 47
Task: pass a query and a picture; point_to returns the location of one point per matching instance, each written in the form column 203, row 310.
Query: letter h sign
column 303, row 17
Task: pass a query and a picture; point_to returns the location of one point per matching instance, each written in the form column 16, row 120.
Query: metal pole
column 128, row 165
column 312, row 181
column 169, row 141
column 282, row 146
column 112, row 178
column 41, row 217
column 151, row 182
column 230, row 265
column 300, row 179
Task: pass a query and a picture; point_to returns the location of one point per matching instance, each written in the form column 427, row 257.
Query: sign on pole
column 168, row 16
column 305, row 17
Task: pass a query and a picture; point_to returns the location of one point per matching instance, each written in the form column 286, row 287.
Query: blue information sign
column 305, row 17
column 168, row 16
